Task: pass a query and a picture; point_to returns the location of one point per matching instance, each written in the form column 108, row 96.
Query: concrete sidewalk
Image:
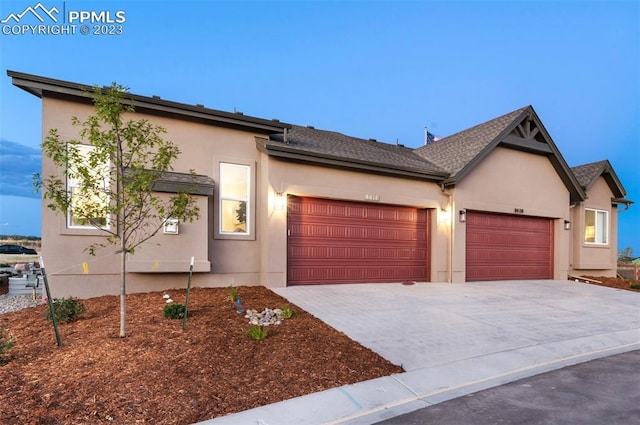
column 452, row 340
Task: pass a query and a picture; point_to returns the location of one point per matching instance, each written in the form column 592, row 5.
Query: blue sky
column 369, row 69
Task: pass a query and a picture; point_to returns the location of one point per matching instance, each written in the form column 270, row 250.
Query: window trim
column 597, row 229
column 250, row 234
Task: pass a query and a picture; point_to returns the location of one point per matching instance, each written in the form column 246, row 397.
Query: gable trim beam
column 526, row 145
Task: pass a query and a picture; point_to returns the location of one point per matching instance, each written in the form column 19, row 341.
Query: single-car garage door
column 505, row 247
column 350, row 242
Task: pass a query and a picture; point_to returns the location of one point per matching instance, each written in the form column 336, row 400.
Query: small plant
column 634, row 285
column 257, row 333
column 6, row 343
column 287, row 312
column 174, row 311
column 66, row 310
column 171, row 310
column 233, row 293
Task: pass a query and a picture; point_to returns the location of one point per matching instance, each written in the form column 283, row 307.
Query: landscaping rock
column 264, row 318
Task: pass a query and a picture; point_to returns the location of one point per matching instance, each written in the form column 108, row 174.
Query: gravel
column 9, row 303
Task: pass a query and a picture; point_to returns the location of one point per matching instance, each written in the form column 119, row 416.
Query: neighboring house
column 283, row 204
column 595, row 238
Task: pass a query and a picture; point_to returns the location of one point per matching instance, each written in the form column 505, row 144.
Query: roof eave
column 613, row 181
column 622, row 201
column 39, row 86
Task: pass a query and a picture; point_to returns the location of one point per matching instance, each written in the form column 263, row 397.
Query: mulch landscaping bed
column 160, row 374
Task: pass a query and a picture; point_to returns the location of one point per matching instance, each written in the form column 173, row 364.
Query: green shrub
column 287, row 312
column 66, row 310
column 6, row 343
column 257, row 333
column 634, row 285
column 174, row 311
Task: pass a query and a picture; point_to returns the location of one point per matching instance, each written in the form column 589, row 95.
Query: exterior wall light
column 567, row 225
column 280, row 201
column 463, row 216
column 171, row 226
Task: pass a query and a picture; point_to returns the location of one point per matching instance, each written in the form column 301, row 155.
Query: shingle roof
column 454, row 152
column 587, row 173
column 173, row 182
column 332, row 145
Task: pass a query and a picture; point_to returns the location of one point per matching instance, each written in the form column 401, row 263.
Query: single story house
column 284, row 204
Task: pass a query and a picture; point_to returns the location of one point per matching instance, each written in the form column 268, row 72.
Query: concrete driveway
column 454, row 339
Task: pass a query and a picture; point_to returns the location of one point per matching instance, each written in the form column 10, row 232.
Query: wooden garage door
column 504, row 247
column 350, row 242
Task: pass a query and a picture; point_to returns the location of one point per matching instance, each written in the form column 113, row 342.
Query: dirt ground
column 614, row 282
column 161, row 374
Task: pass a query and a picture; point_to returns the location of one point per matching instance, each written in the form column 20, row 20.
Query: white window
column 596, row 225
column 235, row 199
column 88, row 207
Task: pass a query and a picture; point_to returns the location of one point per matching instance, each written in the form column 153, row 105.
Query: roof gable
column 520, row 130
column 588, row 174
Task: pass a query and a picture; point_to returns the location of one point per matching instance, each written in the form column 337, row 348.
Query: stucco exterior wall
column 507, row 180
column 590, row 258
column 230, row 261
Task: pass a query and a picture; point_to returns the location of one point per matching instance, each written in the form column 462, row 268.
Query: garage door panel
column 337, row 241
column 501, row 247
column 350, row 274
column 348, row 253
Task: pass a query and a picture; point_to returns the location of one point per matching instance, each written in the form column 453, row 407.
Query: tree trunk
column 123, row 294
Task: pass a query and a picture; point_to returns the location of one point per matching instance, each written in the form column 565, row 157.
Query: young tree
column 113, row 168
column 625, row 255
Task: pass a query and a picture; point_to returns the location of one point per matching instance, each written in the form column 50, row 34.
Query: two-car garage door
column 332, row 241
column 506, row 247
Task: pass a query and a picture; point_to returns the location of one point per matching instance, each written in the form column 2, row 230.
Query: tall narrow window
column 235, row 205
column 88, row 187
column 596, row 224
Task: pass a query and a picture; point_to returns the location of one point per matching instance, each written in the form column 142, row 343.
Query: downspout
column 572, row 250
column 451, row 233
